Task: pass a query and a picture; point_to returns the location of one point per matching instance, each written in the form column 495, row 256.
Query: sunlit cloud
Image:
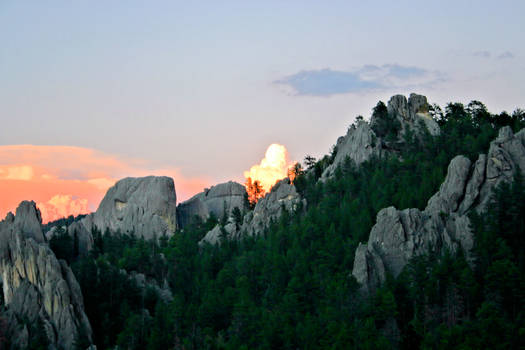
column 66, row 180
column 273, row 167
column 63, row 205
column 22, row 172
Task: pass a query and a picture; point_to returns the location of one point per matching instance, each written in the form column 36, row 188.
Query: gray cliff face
column 36, row 286
column 214, row 201
column 145, row 206
column 270, row 207
column 361, row 142
column 399, row 235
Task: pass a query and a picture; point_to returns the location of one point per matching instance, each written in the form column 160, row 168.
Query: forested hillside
column 292, row 286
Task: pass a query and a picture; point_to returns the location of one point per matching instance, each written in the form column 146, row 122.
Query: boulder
column 399, row 235
column 37, row 287
column 218, row 201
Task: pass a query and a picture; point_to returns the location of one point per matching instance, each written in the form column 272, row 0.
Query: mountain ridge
column 148, row 208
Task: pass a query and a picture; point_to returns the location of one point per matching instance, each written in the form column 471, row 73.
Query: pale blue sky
column 207, row 86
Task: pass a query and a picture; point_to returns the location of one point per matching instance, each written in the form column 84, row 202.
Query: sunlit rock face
column 399, row 235
column 219, row 200
column 36, row 286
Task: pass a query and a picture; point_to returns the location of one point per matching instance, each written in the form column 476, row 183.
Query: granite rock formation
column 411, row 112
column 38, row 288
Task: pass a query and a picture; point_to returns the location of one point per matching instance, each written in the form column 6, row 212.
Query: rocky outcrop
column 38, row 288
column 399, row 235
column 282, row 196
column 28, row 221
column 361, row 142
column 410, row 113
column 216, row 201
column 214, row 235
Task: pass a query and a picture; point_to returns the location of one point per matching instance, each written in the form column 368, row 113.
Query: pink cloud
column 67, row 180
column 62, row 205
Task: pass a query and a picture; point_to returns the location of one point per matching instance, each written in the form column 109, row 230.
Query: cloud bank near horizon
column 67, row 180
column 368, row 78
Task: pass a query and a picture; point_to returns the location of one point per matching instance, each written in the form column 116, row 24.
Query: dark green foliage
column 37, row 338
column 63, row 245
column 81, row 341
column 444, row 302
column 237, row 217
column 3, row 329
column 63, row 222
column 386, row 125
column 291, row 287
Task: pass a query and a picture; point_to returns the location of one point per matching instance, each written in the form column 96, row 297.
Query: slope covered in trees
column 291, row 287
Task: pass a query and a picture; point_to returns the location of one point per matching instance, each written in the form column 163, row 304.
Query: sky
column 91, row 92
